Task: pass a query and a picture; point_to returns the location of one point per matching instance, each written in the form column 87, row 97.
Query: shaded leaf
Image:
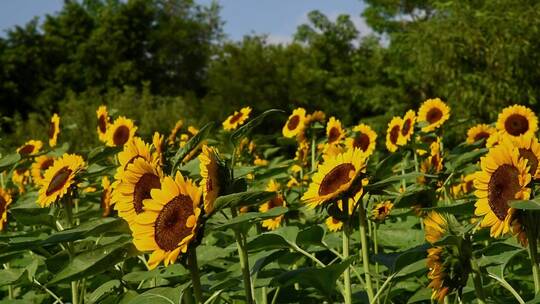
column 244, row 130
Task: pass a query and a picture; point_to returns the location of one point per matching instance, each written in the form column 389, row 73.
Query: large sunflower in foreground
column 529, row 149
column 102, row 122
column 276, row 201
column 504, row 177
column 120, row 132
column 40, row 165
column 5, row 201
column 334, row 131
column 434, row 112
column 295, row 123
column 54, row 130
column 407, row 127
column 210, row 182
column 30, row 147
column 479, row 132
column 169, row 221
column 517, row 120
column 58, row 178
column 392, row 134
column 138, row 179
column 236, row 119
column 336, row 176
column 364, row 138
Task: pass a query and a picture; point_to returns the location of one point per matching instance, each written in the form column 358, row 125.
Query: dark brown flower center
column 52, row 129
column 209, row 186
column 337, row 177
column 394, row 133
column 236, row 117
column 469, row 186
column 102, row 123
column 335, row 221
column 3, row 204
column 277, row 201
column 361, row 141
column 293, row 122
column 46, row 164
column 27, row 149
column 434, row 115
column 170, row 226
column 382, row 210
column 502, row 187
column 121, row 135
column 532, row 161
column 146, row 183
column 516, row 124
column 406, row 127
column 59, row 180
column 481, row 135
column 435, row 161
column 333, row 135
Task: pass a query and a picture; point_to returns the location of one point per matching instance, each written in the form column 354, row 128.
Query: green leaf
column 94, row 262
column 422, row 295
column 409, row 177
column 251, row 218
column 267, row 241
column 310, row 236
column 399, row 238
column 172, row 271
column 9, row 160
column 12, row 276
column 465, row 208
column 525, row 204
column 191, row 144
column 244, row 130
column 247, row 198
column 103, row 152
column 33, row 216
column 110, row 287
column 160, row 295
column 464, row 158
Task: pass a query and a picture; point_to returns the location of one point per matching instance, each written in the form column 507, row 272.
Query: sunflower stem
column 313, row 142
column 195, row 276
column 533, row 253
column 69, row 218
column 347, row 272
column 376, row 251
column 244, row 262
column 477, row 280
column 365, row 251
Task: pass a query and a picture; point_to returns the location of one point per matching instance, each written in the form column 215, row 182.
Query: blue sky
column 276, row 18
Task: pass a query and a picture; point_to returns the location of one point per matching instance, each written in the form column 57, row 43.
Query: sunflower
column 277, row 201
column 30, row 147
column 332, row 150
column 295, row 123
column 302, row 153
column 192, row 130
column 364, row 138
column 40, row 165
column 158, row 143
column 434, row 112
column 54, row 130
column 437, row 274
column 382, row 210
column 333, row 224
column 134, row 149
column 102, row 122
column 504, row 177
column 407, row 128
column 169, row 221
column 5, row 200
column 465, row 186
column 58, row 178
column 138, row 179
column 334, row 131
column 120, row 132
column 259, row 161
column 336, row 176
column 236, row 119
column 174, row 131
column 529, row 149
column 392, row 134
column 517, row 120
column 435, row 226
column 20, row 178
column 479, row 132
column 106, row 196
column 210, row 182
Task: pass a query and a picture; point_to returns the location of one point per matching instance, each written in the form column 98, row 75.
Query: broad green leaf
column 159, row 295
column 100, row 153
column 422, row 295
column 408, row 177
column 267, row 241
column 312, row 235
column 9, row 160
column 244, row 130
column 399, row 238
column 172, row 271
column 33, row 216
column 250, row 217
column 12, row 276
column 465, row 208
column 525, row 204
column 110, row 287
column 247, row 198
column 464, row 158
column 191, row 144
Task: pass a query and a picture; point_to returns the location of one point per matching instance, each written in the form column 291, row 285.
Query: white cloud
column 278, row 39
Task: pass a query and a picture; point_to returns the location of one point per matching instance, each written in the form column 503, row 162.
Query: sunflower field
column 321, row 213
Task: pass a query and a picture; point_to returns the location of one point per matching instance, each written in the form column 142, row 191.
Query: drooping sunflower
column 479, row 132
column 210, row 173
column 174, row 131
column 333, row 224
column 30, row 147
column 364, row 138
column 276, row 201
column 59, row 177
column 106, row 196
column 529, row 149
column 169, row 221
column 407, row 128
column 158, row 143
column 236, row 119
column 504, row 177
column 434, row 112
column 5, row 201
column 382, row 210
column 295, row 123
column 102, row 122
column 54, row 130
column 40, row 165
column 336, row 176
column 121, row 131
column 435, row 226
column 437, row 274
column 334, row 131
column 392, row 134
column 138, row 179
column 517, row 120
